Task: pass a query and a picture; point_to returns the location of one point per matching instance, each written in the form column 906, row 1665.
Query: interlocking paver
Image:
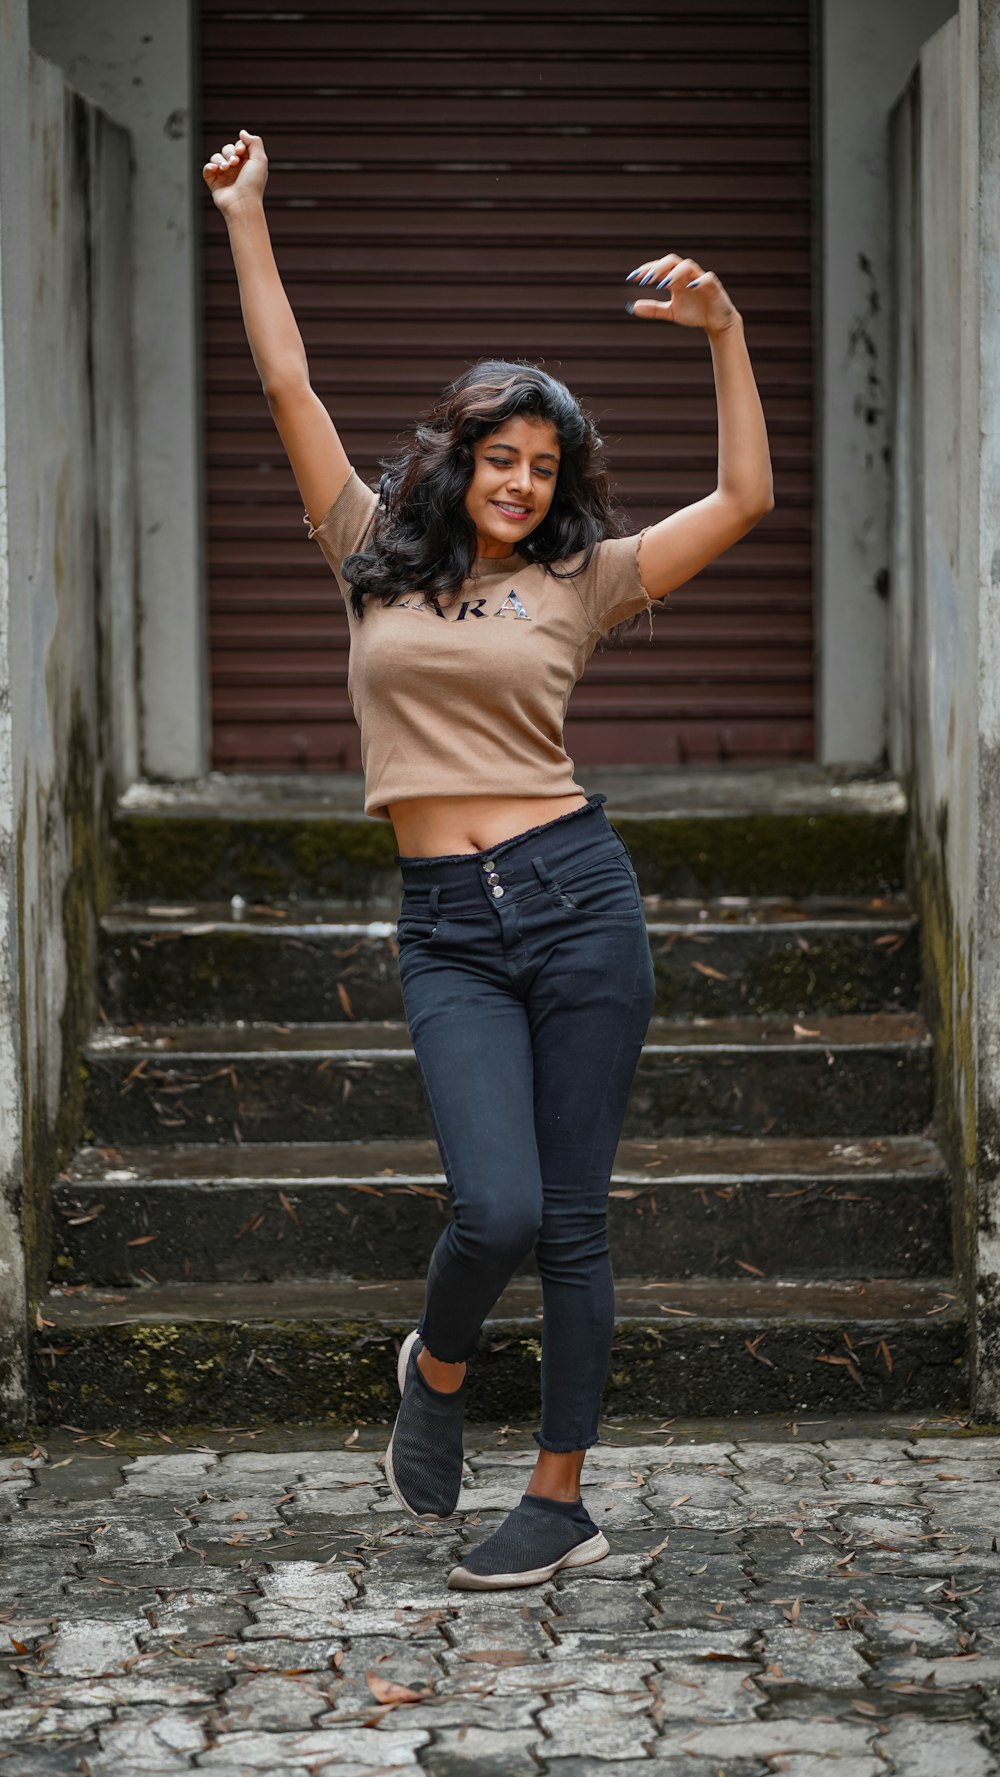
column 158, row 1476
column 351, row 1749
column 618, row 1724
column 583, row 1604
column 830, row 1660
column 925, row 1748
column 774, row 1739
column 770, row 1602
column 92, row 1646
column 486, row 1751
column 146, row 1736
column 706, row 1690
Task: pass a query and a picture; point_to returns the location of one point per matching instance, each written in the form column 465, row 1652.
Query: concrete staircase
column 244, row 1232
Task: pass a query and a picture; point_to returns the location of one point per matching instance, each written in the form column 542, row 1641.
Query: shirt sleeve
column 346, row 525
column 610, row 587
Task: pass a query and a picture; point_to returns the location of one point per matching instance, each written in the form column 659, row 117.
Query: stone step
column 702, row 1206
column 187, row 1354
column 777, row 830
column 324, row 963
column 851, row 1076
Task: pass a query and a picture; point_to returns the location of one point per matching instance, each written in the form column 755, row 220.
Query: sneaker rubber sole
column 402, row 1364
column 595, row 1548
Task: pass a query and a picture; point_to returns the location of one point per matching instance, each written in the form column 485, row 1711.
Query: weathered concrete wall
column 67, row 576
column 980, row 564
column 945, row 693
column 933, row 632
column 866, row 54
column 13, row 327
column 134, row 58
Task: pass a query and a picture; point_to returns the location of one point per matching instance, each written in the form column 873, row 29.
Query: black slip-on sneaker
column 531, row 1544
column 423, row 1463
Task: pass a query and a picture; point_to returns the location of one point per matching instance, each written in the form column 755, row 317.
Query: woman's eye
column 499, row 464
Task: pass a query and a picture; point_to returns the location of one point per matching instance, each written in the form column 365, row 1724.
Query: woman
column 477, row 582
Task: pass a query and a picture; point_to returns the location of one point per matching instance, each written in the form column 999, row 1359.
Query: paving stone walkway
column 802, row 1599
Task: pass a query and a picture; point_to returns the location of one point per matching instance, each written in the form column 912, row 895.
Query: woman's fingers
column 678, row 276
column 232, row 155
column 652, row 269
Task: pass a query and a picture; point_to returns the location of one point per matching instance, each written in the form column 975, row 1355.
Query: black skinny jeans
column 528, row 987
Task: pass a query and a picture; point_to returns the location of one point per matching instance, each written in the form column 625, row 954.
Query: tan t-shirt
column 471, row 700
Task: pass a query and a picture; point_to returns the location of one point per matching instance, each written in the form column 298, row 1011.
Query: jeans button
column 498, row 892
column 493, row 877
column 488, row 864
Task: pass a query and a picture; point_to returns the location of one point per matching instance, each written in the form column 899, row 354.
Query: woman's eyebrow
column 512, row 448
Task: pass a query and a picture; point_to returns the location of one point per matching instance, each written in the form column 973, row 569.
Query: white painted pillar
column 135, row 58
column 866, row 55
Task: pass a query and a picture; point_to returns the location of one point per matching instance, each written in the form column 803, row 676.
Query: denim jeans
column 528, row 987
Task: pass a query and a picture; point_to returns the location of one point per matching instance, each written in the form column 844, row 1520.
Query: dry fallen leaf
column 384, row 1691
column 752, row 1344
column 829, row 1358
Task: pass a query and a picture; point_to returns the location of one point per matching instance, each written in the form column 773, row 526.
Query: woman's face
column 513, row 483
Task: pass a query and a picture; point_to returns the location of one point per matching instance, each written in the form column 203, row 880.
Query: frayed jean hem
column 562, row 1449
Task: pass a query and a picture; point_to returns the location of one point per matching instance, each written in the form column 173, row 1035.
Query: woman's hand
column 696, row 297
column 238, row 174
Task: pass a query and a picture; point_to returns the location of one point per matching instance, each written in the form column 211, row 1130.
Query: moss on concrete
column 305, row 1371
column 75, row 804
column 946, row 953
column 209, row 857
column 763, row 853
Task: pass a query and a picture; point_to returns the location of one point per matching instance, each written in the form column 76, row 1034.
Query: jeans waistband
column 465, row 874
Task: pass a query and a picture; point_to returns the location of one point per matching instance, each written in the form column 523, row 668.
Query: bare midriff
column 441, row 826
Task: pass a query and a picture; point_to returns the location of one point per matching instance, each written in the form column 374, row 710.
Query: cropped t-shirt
column 470, row 698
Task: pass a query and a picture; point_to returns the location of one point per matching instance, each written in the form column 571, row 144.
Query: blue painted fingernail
column 693, row 282
column 634, row 274
column 630, row 308
column 648, row 279
column 664, row 281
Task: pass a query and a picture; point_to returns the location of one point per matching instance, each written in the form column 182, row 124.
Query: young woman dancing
column 525, row 964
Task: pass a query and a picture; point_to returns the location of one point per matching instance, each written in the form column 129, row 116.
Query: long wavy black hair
column 424, row 540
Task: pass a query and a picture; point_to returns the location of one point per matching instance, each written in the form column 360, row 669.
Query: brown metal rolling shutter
column 448, row 184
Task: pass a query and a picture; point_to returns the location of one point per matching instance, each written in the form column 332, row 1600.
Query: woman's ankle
column 556, row 1475
column 444, row 1377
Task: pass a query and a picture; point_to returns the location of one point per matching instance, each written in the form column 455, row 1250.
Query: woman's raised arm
column 236, row 177
column 677, row 548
